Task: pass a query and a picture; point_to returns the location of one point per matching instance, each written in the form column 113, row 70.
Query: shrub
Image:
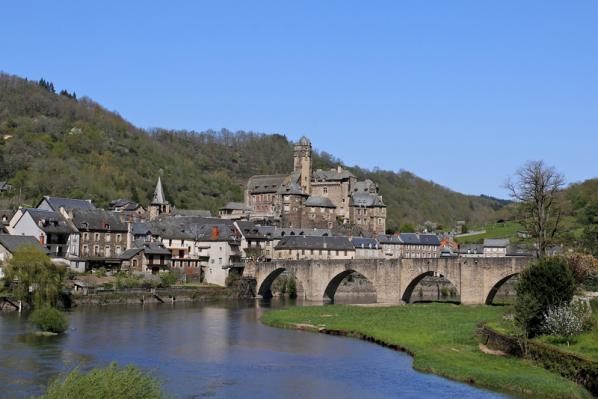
column 546, row 283
column 567, row 320
column 101, row 272
column 109, row 382
column 292, row 287
column 48, row 319
column 168, row 279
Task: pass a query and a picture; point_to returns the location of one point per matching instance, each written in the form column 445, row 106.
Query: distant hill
column 53, row 143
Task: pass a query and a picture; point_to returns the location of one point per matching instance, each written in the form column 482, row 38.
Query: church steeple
column 158, row 193
column 159, row 205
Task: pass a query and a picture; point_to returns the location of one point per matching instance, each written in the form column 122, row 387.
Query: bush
column 545, row 284
column 168, row 279
column 566, row 320
column 109, row 382
column 48, row 319
column 292, row 287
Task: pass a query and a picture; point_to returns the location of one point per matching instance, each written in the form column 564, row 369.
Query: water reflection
column 214, row 350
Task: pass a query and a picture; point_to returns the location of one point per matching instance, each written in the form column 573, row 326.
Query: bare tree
column 536, row 188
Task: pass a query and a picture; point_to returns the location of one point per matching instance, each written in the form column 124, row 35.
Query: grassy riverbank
column 441, row 337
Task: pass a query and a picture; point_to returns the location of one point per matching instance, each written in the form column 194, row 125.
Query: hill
column 59, row 145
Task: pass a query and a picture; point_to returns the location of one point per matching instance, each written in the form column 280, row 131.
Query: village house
column 471, row 250
column 53, row 231
column 254, row 244
column 410, row 245
column 495, row 247
column 9, row 244
column 202, row 248
column 367, row 248
column 131, row 209
column 103, row 237
column 314, row 248
column 318, row 212
column 235, row 211
column 146, row 257
column 414, row 245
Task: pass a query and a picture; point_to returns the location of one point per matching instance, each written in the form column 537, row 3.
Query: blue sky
column 458, row 92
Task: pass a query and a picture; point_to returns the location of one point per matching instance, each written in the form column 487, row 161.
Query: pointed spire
column 158, row 193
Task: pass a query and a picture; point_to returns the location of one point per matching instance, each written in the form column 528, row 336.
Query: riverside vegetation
column 441, row 338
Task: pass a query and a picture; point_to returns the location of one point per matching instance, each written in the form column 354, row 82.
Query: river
column 216, row 350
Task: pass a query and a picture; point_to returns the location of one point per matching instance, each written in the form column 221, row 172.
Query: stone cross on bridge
column 476, row 279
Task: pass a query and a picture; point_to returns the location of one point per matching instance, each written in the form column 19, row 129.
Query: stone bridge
column 476, row 279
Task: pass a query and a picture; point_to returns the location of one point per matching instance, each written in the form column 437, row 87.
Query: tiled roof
column 363, row 242
column 68, row 203
column 332, row 175
column 307, row 242
column 265, row 183
column 235, row 206
column 51, row 221
column 98, row 219
column 367, row 200
column 321, row 202
column 13, row 243
column 471, row 249
column 419, row 239
column 496, row 242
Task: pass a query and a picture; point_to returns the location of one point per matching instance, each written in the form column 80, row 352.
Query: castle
column 315, row 199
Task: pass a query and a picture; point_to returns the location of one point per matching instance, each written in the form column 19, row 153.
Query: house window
column 118, row 237
column 86, row 236
column 96, row 236
column 117, row 250
column 85, row 250
column 325, row 190
column 107, row 250
column 107, row 237
column 96, row 250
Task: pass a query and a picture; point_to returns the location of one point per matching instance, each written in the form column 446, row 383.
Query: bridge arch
column 408, row 293
column 334, row 283
column 489, row 297
column 264, row 290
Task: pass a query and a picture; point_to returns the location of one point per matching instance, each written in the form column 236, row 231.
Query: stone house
column 410, row 245
column 369, row 212
column 336, row 185
column 471, row 250
column 318, row 212
column 146, row 257
column 254, row 244
column 367, row 248
column 204, row 248
column 391, row 245
column 414, row 245
column 131, row 209
column 5, row 216
column 234, row 211
column 103, row 237
column 314, row 248
column 495, row 247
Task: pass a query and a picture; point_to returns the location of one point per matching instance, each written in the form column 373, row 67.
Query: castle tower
column 159, row 205
column 302, row 163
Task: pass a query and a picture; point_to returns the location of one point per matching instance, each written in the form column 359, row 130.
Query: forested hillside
column 53, row 143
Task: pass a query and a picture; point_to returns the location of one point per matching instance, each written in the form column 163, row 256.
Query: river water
column 218, row 350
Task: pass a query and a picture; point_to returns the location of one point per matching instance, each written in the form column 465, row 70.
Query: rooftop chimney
column 215, row 233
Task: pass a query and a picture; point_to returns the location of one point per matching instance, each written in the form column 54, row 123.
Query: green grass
column 442, row 339
column 497, row 230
